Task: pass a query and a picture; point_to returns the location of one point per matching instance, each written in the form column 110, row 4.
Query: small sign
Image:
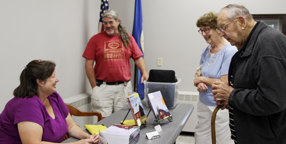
column 152, row 135
column 138, row 122
column 158, row 128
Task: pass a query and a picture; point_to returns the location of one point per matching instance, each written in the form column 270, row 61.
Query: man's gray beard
column 110, row 32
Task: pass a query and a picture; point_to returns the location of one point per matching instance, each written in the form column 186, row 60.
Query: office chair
column 76, row 112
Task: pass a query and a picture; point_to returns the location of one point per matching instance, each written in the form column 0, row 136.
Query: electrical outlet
column 159, row 61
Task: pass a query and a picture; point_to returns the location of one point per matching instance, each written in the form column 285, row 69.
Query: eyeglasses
column 223, row 27
column 207, row 30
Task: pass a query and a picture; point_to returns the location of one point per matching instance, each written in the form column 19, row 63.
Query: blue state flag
column 138, row 36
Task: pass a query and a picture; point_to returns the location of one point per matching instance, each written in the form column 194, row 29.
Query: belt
column 112, row 83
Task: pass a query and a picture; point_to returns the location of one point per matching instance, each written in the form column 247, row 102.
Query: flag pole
column 135, row 78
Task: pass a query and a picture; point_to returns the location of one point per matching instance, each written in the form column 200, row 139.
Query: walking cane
column 213, row 123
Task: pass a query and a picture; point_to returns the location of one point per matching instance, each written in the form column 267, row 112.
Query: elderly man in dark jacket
column 256, row 95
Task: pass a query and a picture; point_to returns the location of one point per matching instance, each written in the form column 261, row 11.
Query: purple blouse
column 33, row 109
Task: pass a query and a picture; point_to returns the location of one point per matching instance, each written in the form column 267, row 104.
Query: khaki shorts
column 107, row 99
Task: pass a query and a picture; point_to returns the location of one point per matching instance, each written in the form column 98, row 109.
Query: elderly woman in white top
column 215, row 60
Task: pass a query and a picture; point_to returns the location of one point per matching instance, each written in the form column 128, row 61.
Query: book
column 137, row 109
column 158, row 106
column 121, row 134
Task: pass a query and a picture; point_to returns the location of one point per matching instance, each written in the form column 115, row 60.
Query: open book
column 137, row 109
column 158, row 106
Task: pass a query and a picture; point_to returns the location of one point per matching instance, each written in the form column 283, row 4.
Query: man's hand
column 221, row 91
column 144, row 77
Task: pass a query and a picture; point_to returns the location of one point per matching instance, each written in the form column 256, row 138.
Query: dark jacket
column 258, row 74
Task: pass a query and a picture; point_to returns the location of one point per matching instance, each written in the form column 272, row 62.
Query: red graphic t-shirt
column 111, row 57
column 113, row 51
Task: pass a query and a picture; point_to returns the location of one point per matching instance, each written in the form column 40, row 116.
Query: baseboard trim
column 78, row 100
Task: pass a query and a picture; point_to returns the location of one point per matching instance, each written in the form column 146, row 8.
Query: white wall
column 171, row 34
column 58, row 30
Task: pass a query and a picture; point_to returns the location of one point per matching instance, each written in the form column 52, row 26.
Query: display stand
column 156, row 121
column 158, row 107
column 149, row 112
column 142, row 125
column 125, row 117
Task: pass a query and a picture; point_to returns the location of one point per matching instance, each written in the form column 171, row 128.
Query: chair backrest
column 76, row 112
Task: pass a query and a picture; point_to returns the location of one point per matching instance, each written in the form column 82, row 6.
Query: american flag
column 103, row 7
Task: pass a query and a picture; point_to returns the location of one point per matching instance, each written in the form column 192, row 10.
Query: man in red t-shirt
column 109, row 78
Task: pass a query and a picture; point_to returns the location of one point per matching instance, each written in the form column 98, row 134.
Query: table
column 170, row 130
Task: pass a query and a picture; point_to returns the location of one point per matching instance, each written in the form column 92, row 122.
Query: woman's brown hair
column 36, row 69
column 208, row 19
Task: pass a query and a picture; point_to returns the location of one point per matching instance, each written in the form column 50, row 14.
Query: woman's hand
column 199, row 79
column 93, row 139
column 84, row 141
column 201, row 87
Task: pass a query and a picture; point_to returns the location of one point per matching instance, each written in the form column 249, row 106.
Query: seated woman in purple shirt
column 37, row 113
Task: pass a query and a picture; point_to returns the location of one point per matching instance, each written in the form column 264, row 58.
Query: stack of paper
column 121, row 134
